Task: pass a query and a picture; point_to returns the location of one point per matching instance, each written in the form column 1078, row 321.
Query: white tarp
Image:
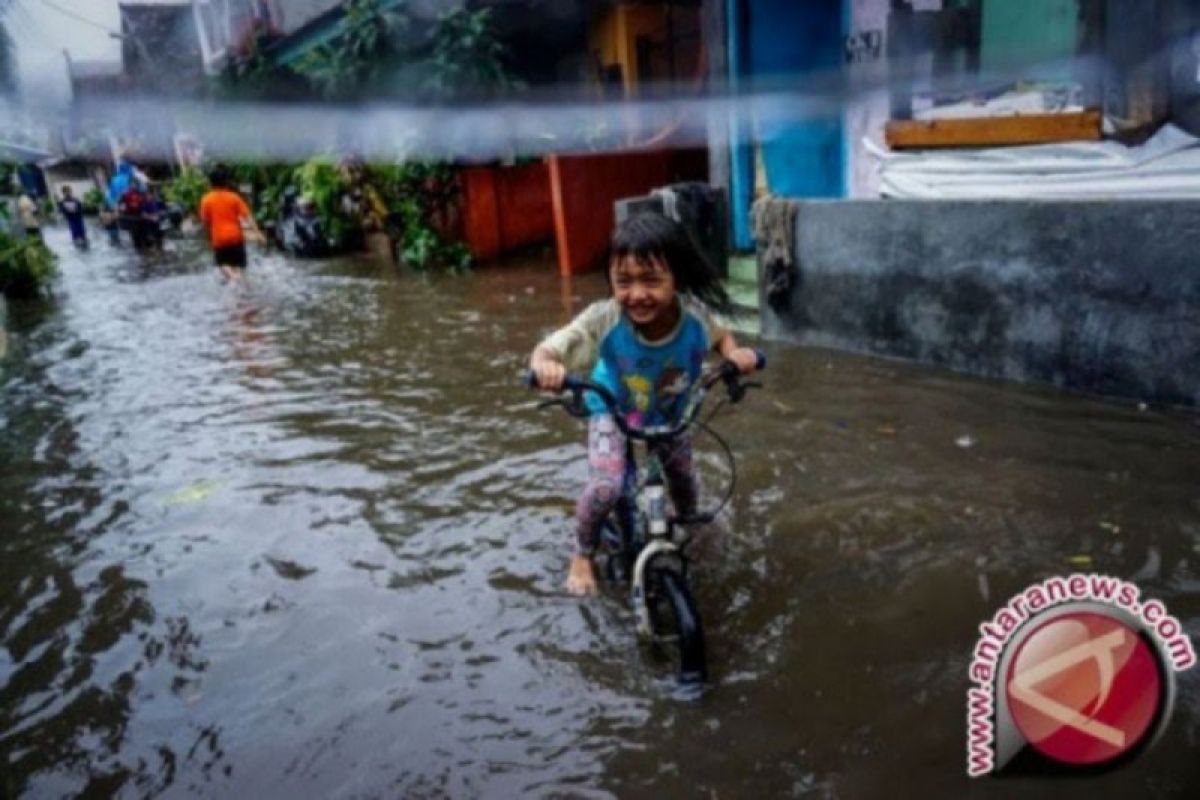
column 1166, row 166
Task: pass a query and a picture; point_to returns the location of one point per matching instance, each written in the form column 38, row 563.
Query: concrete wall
column 1100, row 297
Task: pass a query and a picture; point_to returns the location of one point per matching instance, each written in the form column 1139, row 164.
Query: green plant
column 466, row 58
column 354, row 63
column 186, row 189
column 93, row 200
column 267, row 199
column 320, row 179
column 27, row 267
column 264, row 184
column 459, row 56
column 419, row 198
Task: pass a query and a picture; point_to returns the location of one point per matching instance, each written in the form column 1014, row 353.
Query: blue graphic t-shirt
column 650, row 379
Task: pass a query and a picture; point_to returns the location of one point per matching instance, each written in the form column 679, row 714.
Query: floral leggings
column 606, row 474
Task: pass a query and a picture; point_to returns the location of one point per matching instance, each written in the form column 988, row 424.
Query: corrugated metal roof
column 11, row 151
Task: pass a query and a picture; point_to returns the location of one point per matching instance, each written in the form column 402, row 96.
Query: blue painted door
column 778, row 45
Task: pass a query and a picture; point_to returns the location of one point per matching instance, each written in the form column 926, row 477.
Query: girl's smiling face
column 645, row 290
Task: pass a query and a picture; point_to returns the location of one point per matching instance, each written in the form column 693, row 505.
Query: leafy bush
column 26, row 267
column 419, row 196
column 320, row 179
column 417, row 200
column 264, row 184
column 186, row 189
column 93, row 200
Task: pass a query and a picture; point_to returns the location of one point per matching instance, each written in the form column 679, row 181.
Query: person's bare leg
column 606, row 472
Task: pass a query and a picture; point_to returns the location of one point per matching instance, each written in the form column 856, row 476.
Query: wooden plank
column 989, row 131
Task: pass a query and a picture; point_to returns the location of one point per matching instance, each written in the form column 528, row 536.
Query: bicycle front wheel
column 676, row 621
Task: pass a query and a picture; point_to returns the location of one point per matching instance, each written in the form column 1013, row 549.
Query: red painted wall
column 505, row 208
column 584, row 188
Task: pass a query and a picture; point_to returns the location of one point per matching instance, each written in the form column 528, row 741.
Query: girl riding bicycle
column 648, row 342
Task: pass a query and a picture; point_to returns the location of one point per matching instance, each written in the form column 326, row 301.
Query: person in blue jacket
column 126, row 177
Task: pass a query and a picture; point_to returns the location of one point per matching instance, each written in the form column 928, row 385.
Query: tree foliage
column 466, row 58
column 381, row 52
column 359, row 60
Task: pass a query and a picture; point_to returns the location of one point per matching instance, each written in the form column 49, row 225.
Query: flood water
column 307, row 538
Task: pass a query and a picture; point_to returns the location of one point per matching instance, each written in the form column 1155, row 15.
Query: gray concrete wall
column 1100, row 297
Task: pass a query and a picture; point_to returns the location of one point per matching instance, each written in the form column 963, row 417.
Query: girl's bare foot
column 581, row 580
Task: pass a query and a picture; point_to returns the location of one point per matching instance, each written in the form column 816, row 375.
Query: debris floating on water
column 195, row 493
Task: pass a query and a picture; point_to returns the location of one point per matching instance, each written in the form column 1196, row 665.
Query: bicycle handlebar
column 727, row 372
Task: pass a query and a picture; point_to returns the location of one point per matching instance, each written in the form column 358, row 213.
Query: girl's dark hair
column 648, row 236
column 219, row 177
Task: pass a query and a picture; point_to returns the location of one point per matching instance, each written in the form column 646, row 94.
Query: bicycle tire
column 680, row 628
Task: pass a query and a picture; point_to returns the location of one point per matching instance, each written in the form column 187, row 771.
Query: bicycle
column 639, row 539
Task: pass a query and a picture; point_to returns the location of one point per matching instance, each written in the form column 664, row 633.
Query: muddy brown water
column 306, row 539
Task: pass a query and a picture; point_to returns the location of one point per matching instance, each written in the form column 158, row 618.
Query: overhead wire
column 79, row 17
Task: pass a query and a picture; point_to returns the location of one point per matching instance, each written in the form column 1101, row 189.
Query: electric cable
column 77, row 16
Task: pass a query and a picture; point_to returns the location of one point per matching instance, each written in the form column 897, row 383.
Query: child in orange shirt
column 222, row 211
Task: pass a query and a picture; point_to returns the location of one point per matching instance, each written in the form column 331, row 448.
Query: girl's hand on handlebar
column 745, row 358
column 549, row 373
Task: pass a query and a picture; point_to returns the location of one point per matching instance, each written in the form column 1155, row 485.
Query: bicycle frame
column 645, row 528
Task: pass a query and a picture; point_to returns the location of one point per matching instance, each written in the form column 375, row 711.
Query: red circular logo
column 1084, row 688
